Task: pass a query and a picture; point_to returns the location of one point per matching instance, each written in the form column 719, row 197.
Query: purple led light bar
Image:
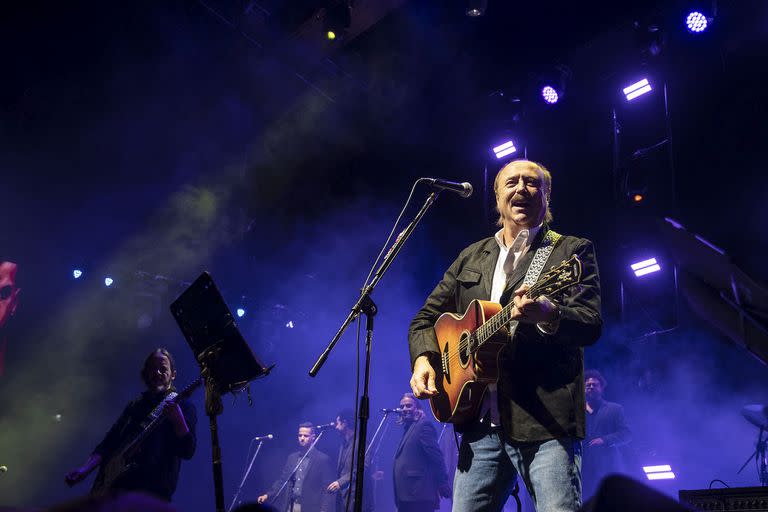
column 504, row 149
column 637, row 89
column 644, row 267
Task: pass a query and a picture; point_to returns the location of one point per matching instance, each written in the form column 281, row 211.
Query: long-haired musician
column 154, row 468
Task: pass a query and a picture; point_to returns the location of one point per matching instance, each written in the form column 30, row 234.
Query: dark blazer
column 607, row 422
column 313, row 492
column 419, row 468
column 343, row 466
column 541, row 386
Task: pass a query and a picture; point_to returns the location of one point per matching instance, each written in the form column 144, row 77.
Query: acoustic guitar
column 478, row 336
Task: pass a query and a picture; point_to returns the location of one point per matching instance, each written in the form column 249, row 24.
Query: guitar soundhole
column 465, row 348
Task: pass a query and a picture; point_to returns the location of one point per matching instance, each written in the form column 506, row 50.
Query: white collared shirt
column 509, row 257
column 507, row 262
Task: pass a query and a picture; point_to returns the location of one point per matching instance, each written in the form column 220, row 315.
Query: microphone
column 396, row 411
column 463, row 189
column 264, row 438
column 326, row 426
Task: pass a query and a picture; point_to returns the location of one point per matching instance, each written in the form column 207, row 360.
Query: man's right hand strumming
column 261, row 499
column 423, row 378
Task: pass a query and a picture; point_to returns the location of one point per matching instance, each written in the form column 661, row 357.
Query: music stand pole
column 213, row 408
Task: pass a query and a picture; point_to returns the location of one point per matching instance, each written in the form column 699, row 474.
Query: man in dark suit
column 419, row 470
column 344, row 485
column 532, row 421
column 304, row 489
column 607, row 433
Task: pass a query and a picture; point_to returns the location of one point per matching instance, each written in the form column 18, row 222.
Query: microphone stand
column 373, row 439
column 376, row 445
column 245, row 476
column 442, row 431
column 366, row 306
column 760, row 458
column 296, row 468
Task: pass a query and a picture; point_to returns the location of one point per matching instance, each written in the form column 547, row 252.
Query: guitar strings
column 533, row 292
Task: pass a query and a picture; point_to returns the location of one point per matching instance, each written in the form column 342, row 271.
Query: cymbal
column 756, row 414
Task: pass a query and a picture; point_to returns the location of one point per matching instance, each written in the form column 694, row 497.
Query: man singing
column 306, row 488
column 531, row 423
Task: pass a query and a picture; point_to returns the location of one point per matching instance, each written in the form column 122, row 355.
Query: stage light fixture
column 240, row 312
column 505, row 149
column 637, row 89
column 549, row 94
column 108, row 281
column 290, row 325
column 660, row 472
column 696, row 22
column 551, row 83
column 77, row 273
column 637, row 198
column 645, row 267
column 476, row 8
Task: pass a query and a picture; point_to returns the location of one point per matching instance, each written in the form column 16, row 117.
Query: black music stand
column 226, row 361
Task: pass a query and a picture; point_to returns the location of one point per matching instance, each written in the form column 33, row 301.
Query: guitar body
column 460, row 382
column 470, row 346
column 110, row 474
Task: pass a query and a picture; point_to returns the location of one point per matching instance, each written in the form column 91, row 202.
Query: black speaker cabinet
column 622, row 494
column 754, row 499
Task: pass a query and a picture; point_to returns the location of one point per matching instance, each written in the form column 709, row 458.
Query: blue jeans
column 489, row 464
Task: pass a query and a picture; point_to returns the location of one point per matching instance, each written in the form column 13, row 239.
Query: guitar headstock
column 557, row 278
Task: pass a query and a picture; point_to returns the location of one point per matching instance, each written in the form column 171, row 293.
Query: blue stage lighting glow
column 77, row 273
column 108, row 281
column 549, row 94
column 696, row 22
column 240, row 312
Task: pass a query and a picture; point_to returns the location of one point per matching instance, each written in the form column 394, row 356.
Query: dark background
column 165, row 138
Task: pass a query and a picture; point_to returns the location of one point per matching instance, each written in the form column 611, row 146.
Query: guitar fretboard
column 558, row 278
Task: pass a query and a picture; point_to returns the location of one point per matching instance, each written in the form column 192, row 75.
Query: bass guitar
column 120, row 463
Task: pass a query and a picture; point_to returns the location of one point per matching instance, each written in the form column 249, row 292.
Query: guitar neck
column 185, row 393
column 502, row 318
column 567, row 274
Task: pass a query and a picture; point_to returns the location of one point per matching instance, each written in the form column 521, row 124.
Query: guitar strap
column 540, row 258
column 551, row 238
